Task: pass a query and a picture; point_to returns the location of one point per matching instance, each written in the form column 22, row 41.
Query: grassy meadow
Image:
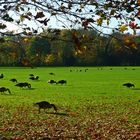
column 92, row 105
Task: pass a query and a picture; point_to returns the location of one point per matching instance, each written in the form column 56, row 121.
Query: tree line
column 70, row 47
column 80, row 42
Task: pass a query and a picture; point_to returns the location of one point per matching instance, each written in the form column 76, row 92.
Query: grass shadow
column 28, row 88
column 135, row 88
column 7, row 94
column 58, row 113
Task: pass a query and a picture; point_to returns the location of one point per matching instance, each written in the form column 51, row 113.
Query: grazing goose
column 1, row 76
column 13, row 80
column 62, row 82
column 45, row 105
column 129, row 85
column 51, row 73
column 34, row 78
column 52, row 82
column 25, row 84
column 3, row 89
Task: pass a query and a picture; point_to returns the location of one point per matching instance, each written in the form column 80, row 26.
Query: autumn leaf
column 100, row 21
column 85, row 47
column 138, row 14
column 85, row 24
column 133, row 45
column 22, row 18
column 26, row 40
column 127, row 40
column 25, row 62
column 29, row 14
column 112, row 12
column 39, row 15
column 133, row 25
column 24, row 1
column 76, row 40
column 2, row 26
column 138, row 2
column 123, row 28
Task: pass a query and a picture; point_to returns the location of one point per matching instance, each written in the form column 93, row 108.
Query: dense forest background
column 63, row 47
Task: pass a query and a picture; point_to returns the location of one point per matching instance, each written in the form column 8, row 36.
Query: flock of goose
column 42, row 104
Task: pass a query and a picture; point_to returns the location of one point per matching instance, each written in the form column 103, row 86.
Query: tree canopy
column 35, row 17
column 88, row 48
column 71, row 13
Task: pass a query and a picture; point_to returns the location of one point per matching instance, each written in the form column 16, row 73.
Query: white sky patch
column 12, row 27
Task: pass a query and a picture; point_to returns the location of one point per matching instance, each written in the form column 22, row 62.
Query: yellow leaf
column 26, row 40
column 127, row 39
column 123, row 28
column 79, row 51
column 85, row 47
column 138, row 14
column 133, row 45
column 22, row 18
column 100, row 21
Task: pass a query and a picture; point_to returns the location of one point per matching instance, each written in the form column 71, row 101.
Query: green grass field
column 92, row 105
